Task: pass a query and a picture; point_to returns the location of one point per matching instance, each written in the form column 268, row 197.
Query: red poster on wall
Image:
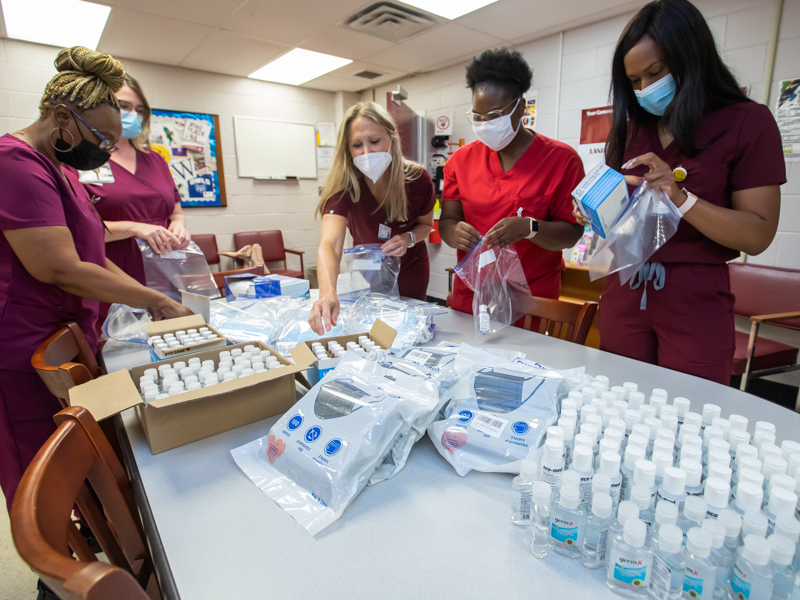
column 595, row 125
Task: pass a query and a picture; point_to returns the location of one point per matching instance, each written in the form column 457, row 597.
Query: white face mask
column 373, row 164
column 498, row 133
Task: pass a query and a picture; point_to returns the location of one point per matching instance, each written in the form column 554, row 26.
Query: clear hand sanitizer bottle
column 666, row 514
column 582, row 465
column 701, row 574
column 552, row 464
column 666, row 579
column 568, row 523
column 692, row 515
column 721, row 556
column 595, row 541
column 630, row 562
column 752, row 575
column 673, row 487
column 540, row 519
column 781, row 555
column 522, row 491
column 632, row 454
column 483, row 319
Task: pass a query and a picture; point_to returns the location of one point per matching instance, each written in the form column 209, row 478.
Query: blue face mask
column 655, row 98
column 131, row 124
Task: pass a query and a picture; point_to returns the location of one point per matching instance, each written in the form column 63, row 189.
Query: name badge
column 384, row 232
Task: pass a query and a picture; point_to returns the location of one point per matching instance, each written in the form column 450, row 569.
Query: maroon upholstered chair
column 208, row 244
column 273, row 249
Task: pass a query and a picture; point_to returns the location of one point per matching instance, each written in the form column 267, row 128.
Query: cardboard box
column 191, row 416
column 602, row 196
column 182, row 324
column 381, row 334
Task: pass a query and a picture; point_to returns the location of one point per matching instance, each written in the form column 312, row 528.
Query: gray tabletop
column 425, row 533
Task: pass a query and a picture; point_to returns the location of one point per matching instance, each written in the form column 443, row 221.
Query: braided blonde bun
column 85, row 77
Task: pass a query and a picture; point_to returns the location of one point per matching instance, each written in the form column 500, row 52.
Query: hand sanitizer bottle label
column 740, row 587
column 692, row 584
column 631, row 574
column 563, row 532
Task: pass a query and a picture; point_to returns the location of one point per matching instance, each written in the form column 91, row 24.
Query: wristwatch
column 413, row 239
column 534, row 228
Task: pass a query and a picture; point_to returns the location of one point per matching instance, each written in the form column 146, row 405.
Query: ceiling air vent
column 389, row 21
column 368, row 74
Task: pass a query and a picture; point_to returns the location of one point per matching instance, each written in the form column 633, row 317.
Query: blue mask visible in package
column 131, row 124
column 656, row 97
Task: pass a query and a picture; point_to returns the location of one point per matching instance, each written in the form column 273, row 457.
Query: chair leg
column 751, row 352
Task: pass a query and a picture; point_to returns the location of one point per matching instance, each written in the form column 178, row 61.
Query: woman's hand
column 161, row 239
column 324, row 314
column 466, row 236
column 579, row 216
column 178, row 229
column 397, row 245
column 508, row 231
column 660, row 176
column 168, row 309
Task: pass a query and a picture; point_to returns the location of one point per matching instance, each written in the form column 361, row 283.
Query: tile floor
column 17, row 581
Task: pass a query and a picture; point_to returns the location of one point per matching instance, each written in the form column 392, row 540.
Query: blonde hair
column 142, row 141
column 344, row 177
column 85, row 78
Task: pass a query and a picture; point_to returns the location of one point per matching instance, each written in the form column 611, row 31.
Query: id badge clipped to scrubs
column 384, row 232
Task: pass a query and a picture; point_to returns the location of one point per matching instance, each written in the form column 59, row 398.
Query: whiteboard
column 267, row 149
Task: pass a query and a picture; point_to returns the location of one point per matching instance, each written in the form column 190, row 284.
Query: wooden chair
column 207, row 242
column 77, row 466
column 568, row 321
column 273, row 249
column 219, row 277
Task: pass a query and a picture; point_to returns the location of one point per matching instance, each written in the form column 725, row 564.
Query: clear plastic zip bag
column 412, row 319
column 649, row 221
column 497, row 280
column 127, row 323
column 178, row 270
column 369, row 270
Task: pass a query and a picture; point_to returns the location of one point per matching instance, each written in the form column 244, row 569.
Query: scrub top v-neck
column 538, row 185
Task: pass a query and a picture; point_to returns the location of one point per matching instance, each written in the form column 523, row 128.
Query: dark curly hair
column 504, row 68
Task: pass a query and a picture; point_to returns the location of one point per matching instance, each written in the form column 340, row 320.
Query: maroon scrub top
column 365, row 216
column 146, row 196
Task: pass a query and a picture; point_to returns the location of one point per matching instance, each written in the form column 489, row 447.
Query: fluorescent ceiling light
column 299, row 66
column 62, row 23
column 449, row 9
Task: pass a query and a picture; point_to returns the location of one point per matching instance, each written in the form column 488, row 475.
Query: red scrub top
column 739, row 148
column 35, row 195
column 365, row 216
column 146, row 196
column 540, row 183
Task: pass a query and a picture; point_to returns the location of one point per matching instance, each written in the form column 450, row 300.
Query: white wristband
column 690, row 202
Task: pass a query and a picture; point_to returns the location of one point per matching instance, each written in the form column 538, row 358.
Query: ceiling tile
column 345, row 76
column 203, row 12
column 433, row 47
column 232, row 54
column 277, row 21
column 345, row 43
column 130, row 34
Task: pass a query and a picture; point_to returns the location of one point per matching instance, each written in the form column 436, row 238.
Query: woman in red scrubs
column 682, row 124
column 512, row 185
column 52, row 254
column 382, row 198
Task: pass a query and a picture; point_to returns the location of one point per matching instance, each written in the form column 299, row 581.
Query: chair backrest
column 77, row 466
column 271, row 243
column 65, row 360
column 219, row 277
column 761, row 290
column 208, row 244
column 568, row 321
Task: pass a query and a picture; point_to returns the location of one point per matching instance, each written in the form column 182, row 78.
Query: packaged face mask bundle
column 499, row 412
column 412, row 320
column 319, row 456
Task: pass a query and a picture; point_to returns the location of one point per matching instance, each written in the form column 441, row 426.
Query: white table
column 427, row 533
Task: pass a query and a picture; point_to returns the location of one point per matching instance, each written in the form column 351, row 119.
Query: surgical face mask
column 499, row 391
column 373, row 164
column 131, row 124
column 656, row 97
column 497, row 133
column 85, row 156
column 338, row 399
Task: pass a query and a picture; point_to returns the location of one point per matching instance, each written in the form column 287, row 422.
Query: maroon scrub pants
column 687, row 325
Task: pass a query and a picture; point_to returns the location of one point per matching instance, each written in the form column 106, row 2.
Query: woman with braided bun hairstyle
column 52, row 253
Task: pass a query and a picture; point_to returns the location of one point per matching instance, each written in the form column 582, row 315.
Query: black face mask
column 84, row 156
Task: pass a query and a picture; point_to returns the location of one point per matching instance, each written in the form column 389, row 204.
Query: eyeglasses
column 474, row 117
column 105, row 143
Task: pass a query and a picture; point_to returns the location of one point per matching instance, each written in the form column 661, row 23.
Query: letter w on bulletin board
column 595, row 125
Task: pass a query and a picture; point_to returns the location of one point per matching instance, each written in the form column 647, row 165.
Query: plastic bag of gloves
column 411, row 319
column 648, row 223
column 320, row 455
column 501, row 295
column 366, row 263
column 178, row 270
column 500, row 411
column 127, row 323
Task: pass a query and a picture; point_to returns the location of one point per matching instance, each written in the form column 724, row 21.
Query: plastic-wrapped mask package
column 248, row 320
column 411, row 319
column 178, row 270
column 367, row 263
column 320, row 455
column 499, row 412
column 127, row 323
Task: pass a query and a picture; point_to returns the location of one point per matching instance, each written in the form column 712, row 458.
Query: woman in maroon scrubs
column 52, row 255
column 382, row 198
column 682, row 124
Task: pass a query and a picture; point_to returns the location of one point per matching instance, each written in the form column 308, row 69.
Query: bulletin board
column 267, row 149
column 189, row 142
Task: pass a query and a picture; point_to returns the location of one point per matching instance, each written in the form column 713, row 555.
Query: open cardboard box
column 381, row 334
column 191, row 416
column 182, row 324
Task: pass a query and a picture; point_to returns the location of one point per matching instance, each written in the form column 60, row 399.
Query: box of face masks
column 265, row 286
column 602, row 196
